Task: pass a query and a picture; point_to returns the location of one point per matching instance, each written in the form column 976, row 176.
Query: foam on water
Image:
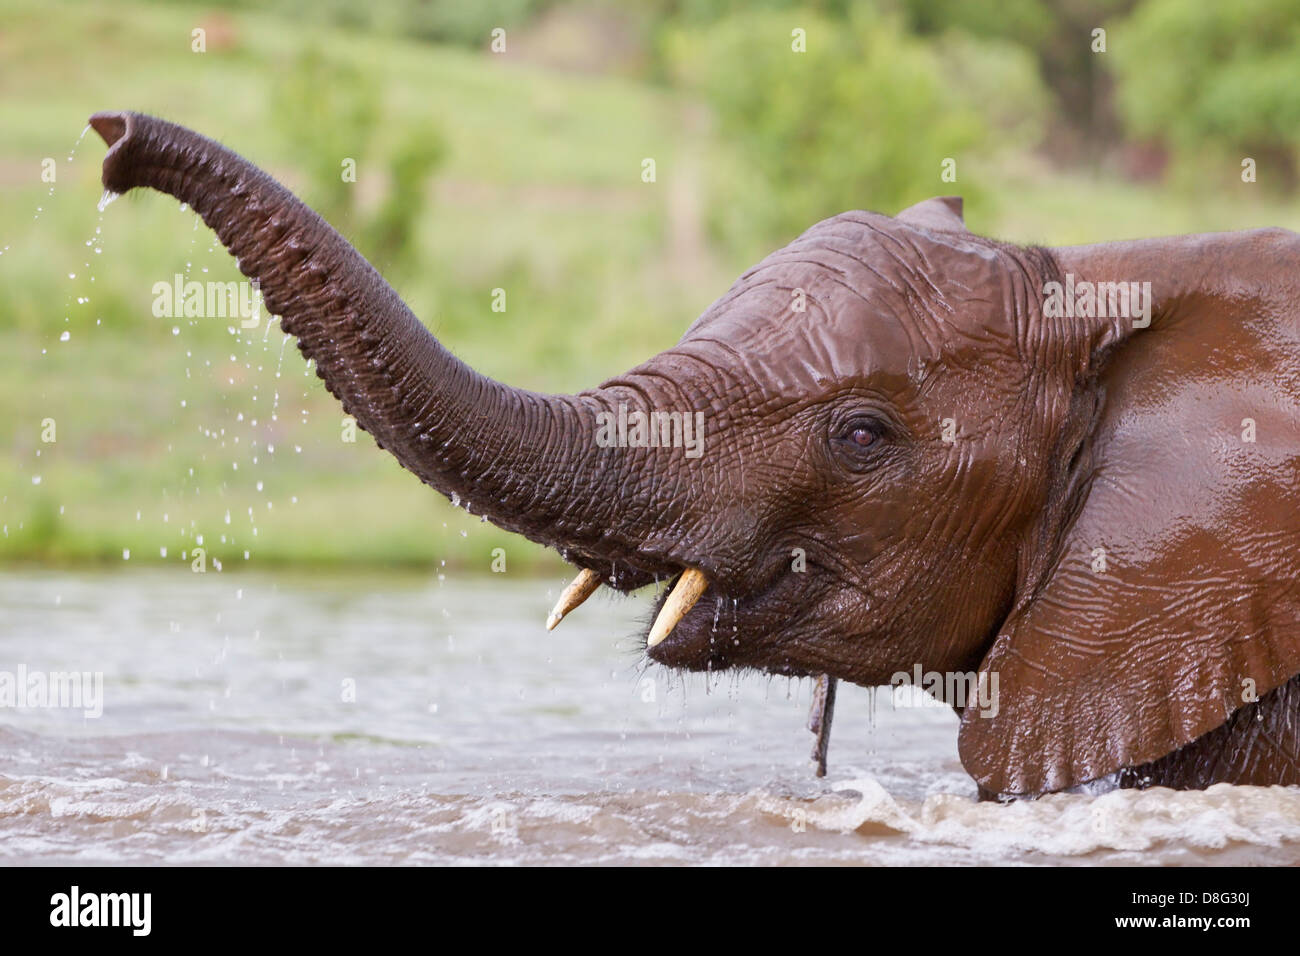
column 284, row 815
column 1075, row 824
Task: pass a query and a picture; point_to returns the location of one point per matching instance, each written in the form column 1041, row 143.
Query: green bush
column 329, row 109
column 863, row 119
column 1216, row 82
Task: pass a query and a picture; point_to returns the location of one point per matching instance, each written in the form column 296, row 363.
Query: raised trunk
column 526, row 461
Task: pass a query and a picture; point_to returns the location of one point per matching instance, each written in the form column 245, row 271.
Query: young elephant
column 892, row 445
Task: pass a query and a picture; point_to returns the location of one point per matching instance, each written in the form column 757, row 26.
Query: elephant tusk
column 687, row 591
column 579, row 589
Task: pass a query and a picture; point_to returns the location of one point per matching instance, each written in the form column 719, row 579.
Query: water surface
column 358, row 719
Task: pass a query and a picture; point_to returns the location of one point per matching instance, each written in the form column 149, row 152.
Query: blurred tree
column 864, row 118
column 390, row 231
column 1217, row 82
column 329, row 110
column 1060, row 35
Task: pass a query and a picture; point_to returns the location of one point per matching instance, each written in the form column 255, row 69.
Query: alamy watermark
column 22, row 689
column 203, row 300
column 1084, row 299
column 131, row 911
column 948, row 689
column 638, row 429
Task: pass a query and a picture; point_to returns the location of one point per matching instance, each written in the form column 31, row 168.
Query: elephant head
column 892, row 444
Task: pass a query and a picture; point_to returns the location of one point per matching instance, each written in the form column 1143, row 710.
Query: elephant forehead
column 800, row 351
column 856, row 296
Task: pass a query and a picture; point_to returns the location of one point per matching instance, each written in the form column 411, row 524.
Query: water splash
column 71, row 156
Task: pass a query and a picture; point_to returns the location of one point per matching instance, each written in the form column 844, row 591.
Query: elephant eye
column 859, row 435
column 862, row 437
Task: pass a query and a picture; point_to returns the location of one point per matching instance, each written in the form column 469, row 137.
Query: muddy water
column 341, row 719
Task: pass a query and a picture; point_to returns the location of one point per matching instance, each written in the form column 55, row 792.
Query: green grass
column 540, row 194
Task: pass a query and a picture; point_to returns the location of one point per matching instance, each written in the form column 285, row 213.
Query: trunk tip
column 110, row 126
column 118, row 130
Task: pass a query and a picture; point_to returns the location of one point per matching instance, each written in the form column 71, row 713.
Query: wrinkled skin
column 970, row 546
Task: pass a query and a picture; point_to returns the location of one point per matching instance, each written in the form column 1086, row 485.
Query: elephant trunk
column 528, row 462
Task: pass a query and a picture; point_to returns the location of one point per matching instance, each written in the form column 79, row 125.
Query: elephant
column 1070, row 475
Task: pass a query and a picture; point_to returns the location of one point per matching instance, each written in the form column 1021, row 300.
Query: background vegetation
column 522, row 171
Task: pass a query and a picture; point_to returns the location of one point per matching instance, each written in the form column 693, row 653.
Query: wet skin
column 910, row 458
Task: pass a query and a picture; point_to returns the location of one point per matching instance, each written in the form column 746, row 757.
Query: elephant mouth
column 702, row 636
column 719, row 630
column 697, row 623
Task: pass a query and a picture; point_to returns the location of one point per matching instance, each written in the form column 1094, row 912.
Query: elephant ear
column 1169, row 596
column 940, row 214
